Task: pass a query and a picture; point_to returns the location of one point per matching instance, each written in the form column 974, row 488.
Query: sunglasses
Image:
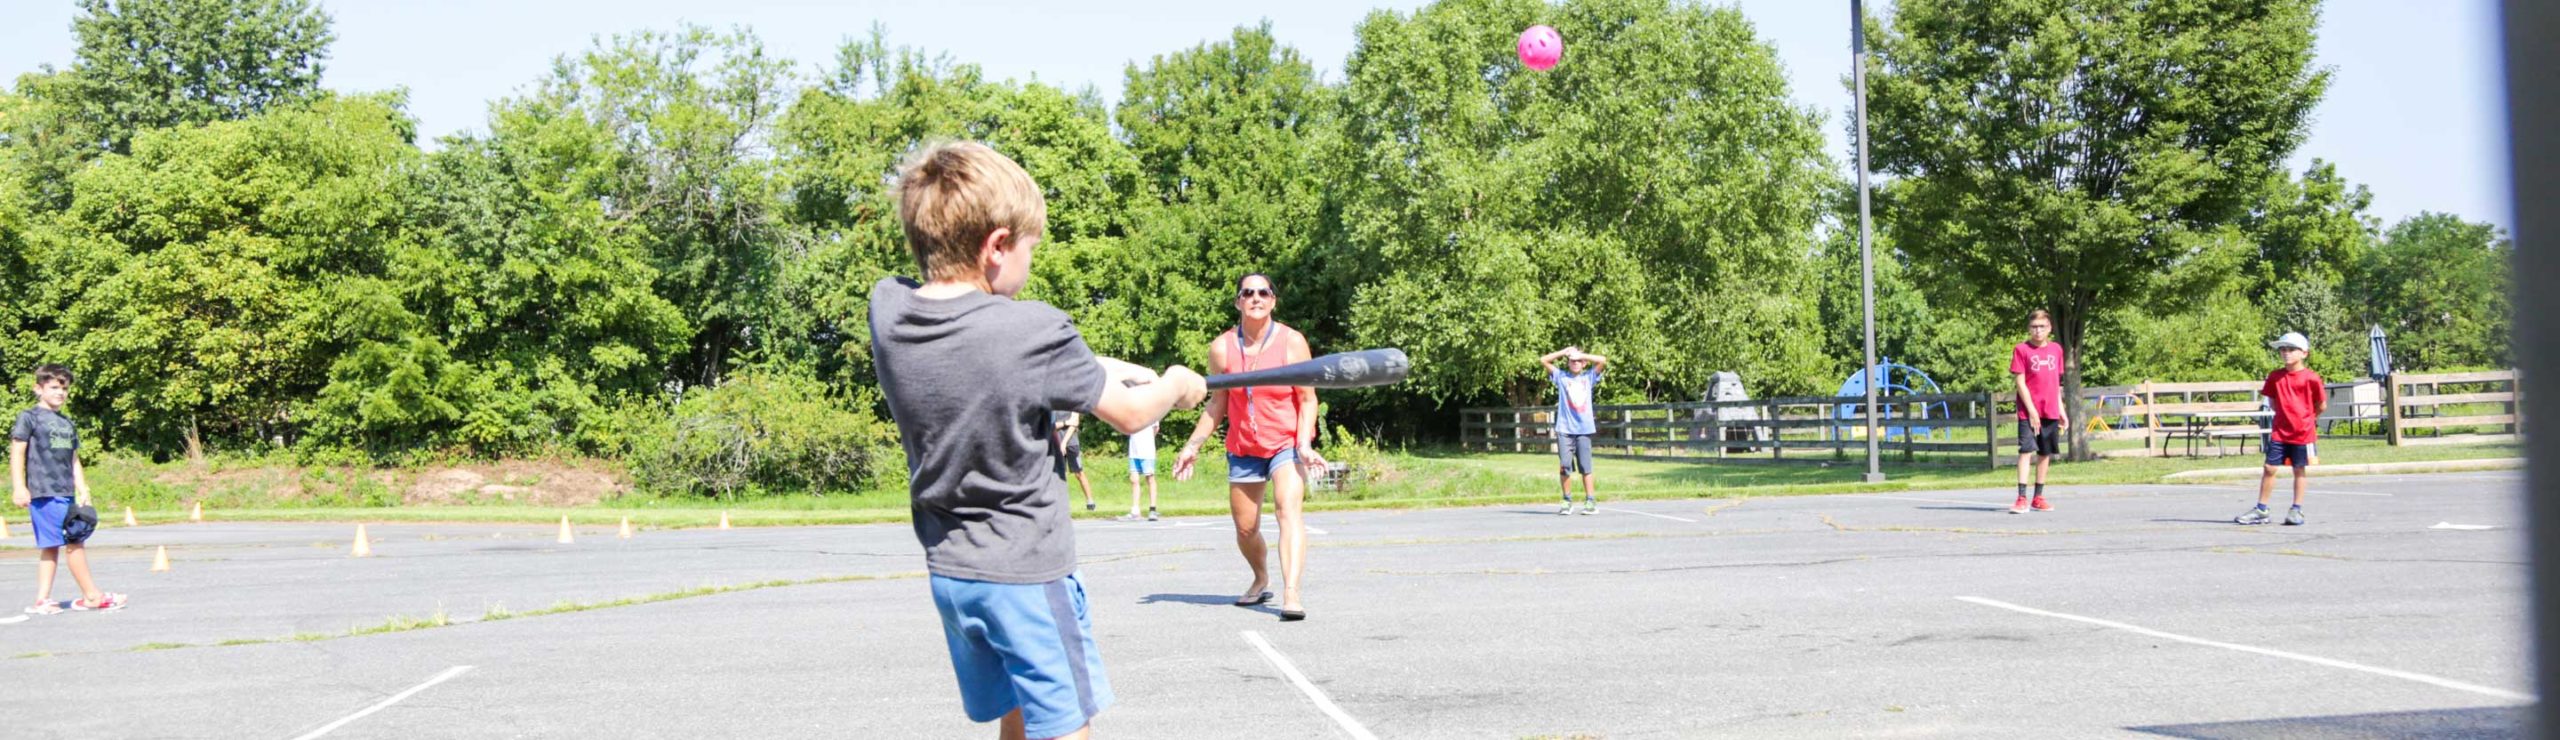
column 1256, row 293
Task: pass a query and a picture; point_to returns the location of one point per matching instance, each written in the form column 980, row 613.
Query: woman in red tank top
column 1270, row 442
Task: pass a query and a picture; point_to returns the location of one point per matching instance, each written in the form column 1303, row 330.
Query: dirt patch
column 536, row 482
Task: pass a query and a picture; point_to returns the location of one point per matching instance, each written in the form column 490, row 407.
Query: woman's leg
column 1289, row 493
column 1244, row 501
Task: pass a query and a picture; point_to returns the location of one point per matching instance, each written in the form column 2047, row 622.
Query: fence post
column 1777, row 434
column 2391, row 407
column 1991, row 428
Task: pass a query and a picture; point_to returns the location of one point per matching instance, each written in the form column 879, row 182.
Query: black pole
column 1866, row 236
column 2533, row 110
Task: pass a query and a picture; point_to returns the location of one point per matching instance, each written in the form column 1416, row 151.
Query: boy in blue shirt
column 1574, row 425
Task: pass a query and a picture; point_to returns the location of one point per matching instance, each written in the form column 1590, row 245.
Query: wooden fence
column 2442, row 402
column 1961, row 426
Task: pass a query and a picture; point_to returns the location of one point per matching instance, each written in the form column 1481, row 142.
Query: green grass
column 1424, row 478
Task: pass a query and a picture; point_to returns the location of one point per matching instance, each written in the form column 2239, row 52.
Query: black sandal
column 1265, row 598
column 1293, row 615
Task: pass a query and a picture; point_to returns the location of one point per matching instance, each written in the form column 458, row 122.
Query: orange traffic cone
column 128, row 517
column 160, row 560
column 565, row 536
column 626, row 528
column 724, row 519
column 364, row 544
column 196, row 513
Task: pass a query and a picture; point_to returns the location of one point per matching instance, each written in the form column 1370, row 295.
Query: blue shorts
column 1025, row 646
column 1241, row 469
column 1142, row 466
column 45, row 515
column 2287, row 453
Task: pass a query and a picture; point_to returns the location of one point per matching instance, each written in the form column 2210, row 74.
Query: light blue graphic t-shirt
column 1573, row 400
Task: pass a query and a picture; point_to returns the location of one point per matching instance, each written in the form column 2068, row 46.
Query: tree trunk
column 2072, row 323
column 195, row 442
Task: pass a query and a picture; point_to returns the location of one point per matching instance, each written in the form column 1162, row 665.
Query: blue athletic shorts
column 1142, row 466
column 45, row 515
column 1241, row 469
column 1026, row 646
column 2286, row 453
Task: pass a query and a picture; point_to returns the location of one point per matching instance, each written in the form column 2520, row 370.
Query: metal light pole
column 1866, row 235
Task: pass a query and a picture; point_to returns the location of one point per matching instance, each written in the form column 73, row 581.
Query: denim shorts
column 2287, row 453
column 1241, row 469
column 1142, row 466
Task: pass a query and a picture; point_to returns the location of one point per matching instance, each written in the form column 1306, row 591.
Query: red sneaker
column 2040, row 505
column 2020, row 507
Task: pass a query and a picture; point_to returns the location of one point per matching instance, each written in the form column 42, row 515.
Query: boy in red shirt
column 2298, row 395
column 2036, row 364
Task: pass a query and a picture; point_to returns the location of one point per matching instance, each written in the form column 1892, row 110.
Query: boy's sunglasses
column 1255, row 293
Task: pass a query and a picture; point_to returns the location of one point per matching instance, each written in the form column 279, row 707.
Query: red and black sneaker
column 2020, row 507
column 2040, row 505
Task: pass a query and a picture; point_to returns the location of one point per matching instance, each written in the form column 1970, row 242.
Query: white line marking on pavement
column 1936, row 500
column 14, row 619
column 2284, row 488
column 2467, row 527
column 447, row 675
column 1651, row 514
column 1291, row 672
column 1275, row 522
column 2312, row 659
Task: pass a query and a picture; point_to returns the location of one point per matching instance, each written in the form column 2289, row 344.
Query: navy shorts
column 1026, row 646
column 2287, row 453
column 2045, row 441
column 1573, row 453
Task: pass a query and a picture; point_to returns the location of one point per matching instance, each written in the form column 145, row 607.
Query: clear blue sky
column 2416, row 111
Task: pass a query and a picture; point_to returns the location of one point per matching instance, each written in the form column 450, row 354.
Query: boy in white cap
column 2298, row 394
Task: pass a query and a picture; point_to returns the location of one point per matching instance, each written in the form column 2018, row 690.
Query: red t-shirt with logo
column 2298, row 396
column 2043, row 368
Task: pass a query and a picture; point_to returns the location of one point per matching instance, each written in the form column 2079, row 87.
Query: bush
column 765, row 430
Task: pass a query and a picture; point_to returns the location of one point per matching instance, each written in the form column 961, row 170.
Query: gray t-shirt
column 971, row 382
column 52, row 443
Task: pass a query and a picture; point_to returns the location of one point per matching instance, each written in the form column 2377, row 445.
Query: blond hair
column 952, row 194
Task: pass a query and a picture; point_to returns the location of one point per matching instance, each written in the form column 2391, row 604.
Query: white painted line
column 2281, row 489
column 447, row 675
column 1651, row 514
column 1291, row 672
column 2312, row 659
column 1937, row 500
column 13, row 619
column 2465, row 527
column 1275, row 523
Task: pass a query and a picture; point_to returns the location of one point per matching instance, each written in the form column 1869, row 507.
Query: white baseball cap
column 2292, row 339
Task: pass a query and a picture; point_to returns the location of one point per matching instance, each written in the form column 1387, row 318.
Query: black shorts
column 1072, row 462
column 2046, row 441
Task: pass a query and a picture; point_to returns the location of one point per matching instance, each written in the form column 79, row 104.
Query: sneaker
column 1568, row 508
column 45, row 608
column 2256, row 515
column 1151, row 513
column 1088, row 506
column 2020, row 507
column 106, row 603
column 2293, row 518
column 2039, row 504
column 1590, row 507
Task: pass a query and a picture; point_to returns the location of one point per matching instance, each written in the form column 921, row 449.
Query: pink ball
column 1541, row 47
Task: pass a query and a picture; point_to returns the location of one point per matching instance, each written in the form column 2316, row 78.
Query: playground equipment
column 1893, row 379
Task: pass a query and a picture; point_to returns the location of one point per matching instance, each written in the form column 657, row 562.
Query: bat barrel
column 1362, row 369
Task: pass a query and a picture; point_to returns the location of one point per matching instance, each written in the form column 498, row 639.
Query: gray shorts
column 1573, row 453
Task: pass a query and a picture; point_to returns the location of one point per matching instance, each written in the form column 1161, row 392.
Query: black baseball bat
column 1362, row 369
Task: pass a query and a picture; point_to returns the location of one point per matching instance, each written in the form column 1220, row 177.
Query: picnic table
column 2202, row 425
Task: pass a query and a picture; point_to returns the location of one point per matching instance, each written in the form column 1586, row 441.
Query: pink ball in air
column 1541, row 47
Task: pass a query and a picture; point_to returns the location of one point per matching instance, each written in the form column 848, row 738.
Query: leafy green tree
column 2059, row 155
column 673, row 145
column 191, row 279
column 2439, row 287
column 2313, row 227
column 147, row 64
column 1652, row 198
